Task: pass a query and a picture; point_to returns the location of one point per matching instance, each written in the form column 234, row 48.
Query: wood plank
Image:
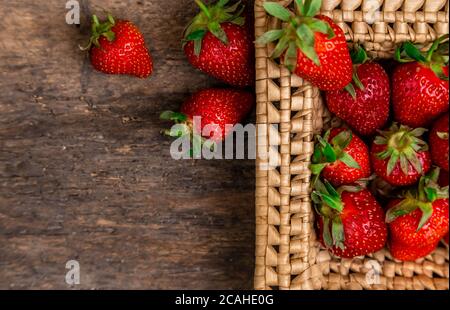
column 85, row 174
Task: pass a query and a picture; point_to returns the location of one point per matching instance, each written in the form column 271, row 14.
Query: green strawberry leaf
column 309, row 52
column 431, row 193
column 414, row 161
column 270, row 36
column 438, row 69
column 427, row 212
column 198, row 47
column 404, row 207
column 404, row 163
column 342, row 139
column 333, row 193
column 435, row 46
column 306, row 35
column 290, row 57
column 357, row 81
column 351, row 90
column 196, row 35
column 358, row 55
column 318, row 25
column 329, row 153
column 392, row 162
column 173, row 116
column 215, row 28
column 312, row 7
column 300, row 7
column 379, row 140
column 412, row 51
column 418, row 132
column 281, row 47
column 337, row 231
column 349, row 161
column 320, row 188
column 328, row 240
column 277, row 10
column 222, row 3
column 329, row 201
column 316, row 169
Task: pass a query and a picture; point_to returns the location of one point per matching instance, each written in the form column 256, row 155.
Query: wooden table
column 86, row 175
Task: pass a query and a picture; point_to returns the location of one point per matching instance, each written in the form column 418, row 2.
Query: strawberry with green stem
column 310, row 45
column 419, row 220
column 364, row 104
column 217, row 43
column 216, row 108
column 399, row 155
column 420, row 83
column 341, row 157
column 351, row 221
column 118, row 47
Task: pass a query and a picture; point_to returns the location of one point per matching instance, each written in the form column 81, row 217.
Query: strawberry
column 351, row 222
column 217, row 43
column 364, row 104
column 118, row 47
column 419, row 220
column 446, row 239
column 216, row 107
column 313, row 46
column 341, row 156
column 399, row 156
column 439, row 142
column 407, row 253
column 420, row 87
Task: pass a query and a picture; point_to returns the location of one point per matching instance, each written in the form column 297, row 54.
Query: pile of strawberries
column 384, row 143
column 395, row 135
column 218, row 41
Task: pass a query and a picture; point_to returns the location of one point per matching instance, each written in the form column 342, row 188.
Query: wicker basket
column 287, row 253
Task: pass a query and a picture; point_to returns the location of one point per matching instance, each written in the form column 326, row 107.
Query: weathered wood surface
column 85, row 174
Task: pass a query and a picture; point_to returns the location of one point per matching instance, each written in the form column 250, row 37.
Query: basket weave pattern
column 289, row 112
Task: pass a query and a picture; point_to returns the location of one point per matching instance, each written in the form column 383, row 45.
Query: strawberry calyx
column 436, row 57
column 329, row 206
column 402, row 144
column 99, row 29
column 326, row 153
column 299, row 32
column 209, row 20
column 423, row 197
column 184, row 128
column 359, row 57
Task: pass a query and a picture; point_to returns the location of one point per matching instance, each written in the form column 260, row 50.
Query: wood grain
column 85, row 174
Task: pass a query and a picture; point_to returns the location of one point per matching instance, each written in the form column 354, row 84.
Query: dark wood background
column 86, row 175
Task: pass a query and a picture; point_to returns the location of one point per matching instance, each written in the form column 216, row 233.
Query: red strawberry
column 314, row 47
column 420, row 88
column 217, row 43
column 119, row 48
column 341, row 156
column 407, row 253
column 446, row 239
column 216, row 108
column 351, row 221
column 418, row 220
column 399, row 156
column 364, row 105
column 439, row 142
